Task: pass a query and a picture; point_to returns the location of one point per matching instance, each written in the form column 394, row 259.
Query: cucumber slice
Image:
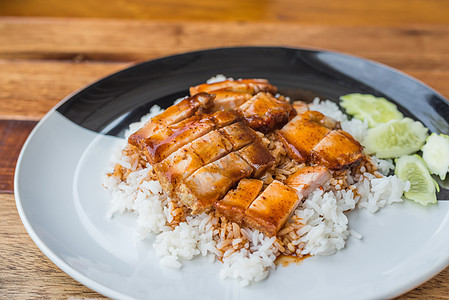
column 422, row 186
column 435, row 153
column 375, row 110
column 395, row 138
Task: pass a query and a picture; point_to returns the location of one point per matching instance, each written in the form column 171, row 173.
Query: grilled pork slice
column 227, row 100
column 206, row 149
column 235, row 203
column 271, row 209
column 258, row 157
column 167, row 140
column 308, row 179
column 211, row 182
column 239, row 134
column 319, row 118
column 300, row 135
column 174, row 114
column 164, row 142
column 337, row 150
column 300, row 107
column 265, row 113
column 183, row 162
column 251, row 86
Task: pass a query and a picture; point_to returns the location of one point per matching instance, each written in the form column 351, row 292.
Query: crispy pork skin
column 189, row 158
column 229, row 100
column 251, row 86
column 308, row 179
column 167, row 140
column 337, row 150
column 265, row 113
column 300, row 135
column 271, row 209
column 239, row 134
column 300, row 107
column 174, row 114
column 319, row 118
column 258, row 157
column 206, row 153
column 158, row 147
column 236, row 201
column 211, row 182
column 208, row 148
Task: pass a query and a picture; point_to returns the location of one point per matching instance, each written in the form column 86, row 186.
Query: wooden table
column 44, row 59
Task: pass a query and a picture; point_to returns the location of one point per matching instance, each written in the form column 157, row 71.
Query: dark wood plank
column 349, row 12
column 12, row 136
column 118, row 40
column 31, row 88
column 35, row 75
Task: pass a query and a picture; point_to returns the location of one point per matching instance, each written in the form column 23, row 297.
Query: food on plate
column 374, row 110
column 435, row 153
column 238, row 172
column 186, row 108
column 395, row 138
column 412, row 168
column 314, row 138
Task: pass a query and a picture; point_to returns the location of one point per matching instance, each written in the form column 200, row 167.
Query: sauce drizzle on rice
column 307, row 221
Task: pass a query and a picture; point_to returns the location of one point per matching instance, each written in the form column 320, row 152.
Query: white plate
column 63, row 206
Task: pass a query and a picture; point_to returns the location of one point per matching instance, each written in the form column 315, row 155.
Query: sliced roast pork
column 174, row 114
column 236, row 201
column 211, row 182
column 271, row 209
column 308, row 179
column 300, row 135
column 265, row 113
column 167, row 140
column 251, row 86
column 314, row 138
column 337, row 150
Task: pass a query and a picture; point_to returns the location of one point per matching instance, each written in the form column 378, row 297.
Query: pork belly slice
column 174, row 114
column 239, row 134
column 258, row 157
column 235, row 203
column 300, row 107
column 167, row 140
column 271, row 209
column 211, row 182
column 337, row 150
column 227, row 100
column 300, row 135
column 265, row 113
column 308, row 179
column 251, row 86
column 183, row 162
column 224, row 118
column 319, row 118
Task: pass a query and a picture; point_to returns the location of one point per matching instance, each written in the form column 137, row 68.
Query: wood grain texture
column 12, row 136
column 40, row 63
column 331, row 12
column 136, row 41
column 31, row 88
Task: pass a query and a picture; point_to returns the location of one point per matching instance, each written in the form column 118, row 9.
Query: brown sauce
column 286, row 260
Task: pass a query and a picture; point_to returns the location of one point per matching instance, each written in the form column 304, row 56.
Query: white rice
column 326, row 226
